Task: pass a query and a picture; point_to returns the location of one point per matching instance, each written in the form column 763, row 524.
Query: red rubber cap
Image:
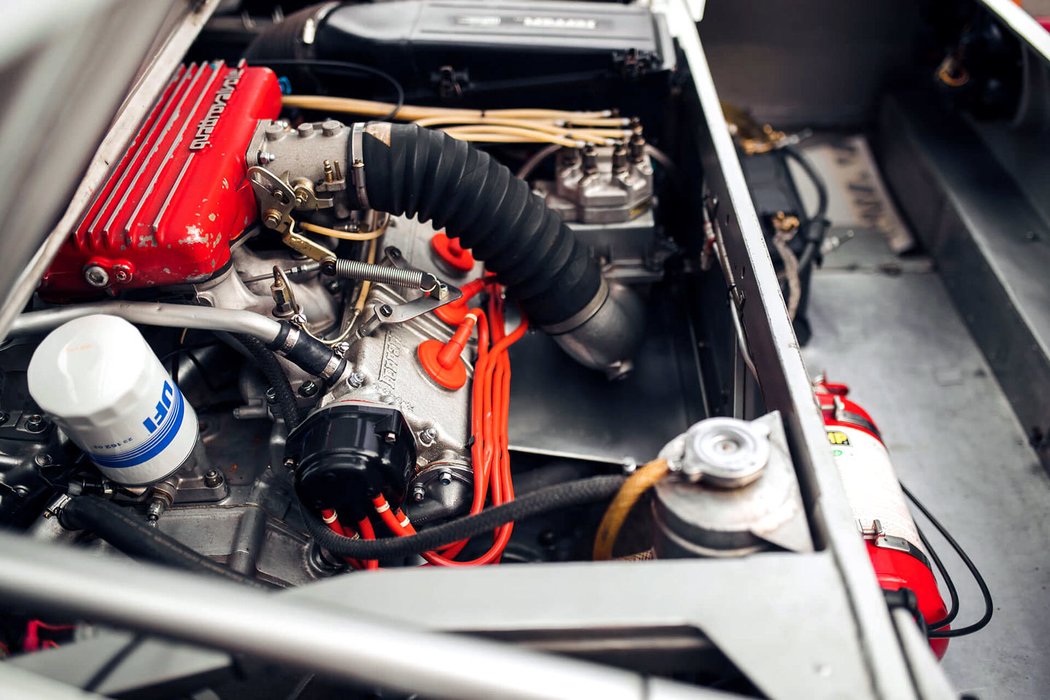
column 452, row 253
column 452, row 377
column 442, row 361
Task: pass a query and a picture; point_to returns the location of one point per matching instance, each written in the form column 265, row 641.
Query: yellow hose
column 343, row 235
column 370, row 108
column 449, row 120
column 594, row 134
column 366, row 286
column 508, row 134
column 616, row 515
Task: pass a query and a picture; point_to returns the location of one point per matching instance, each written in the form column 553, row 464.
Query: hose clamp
column 335, row 363
column 290, row 340
column 584, row 314
column 357, row 163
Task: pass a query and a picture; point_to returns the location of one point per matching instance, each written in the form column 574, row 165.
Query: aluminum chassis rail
column 797, row 625
column 303, row 634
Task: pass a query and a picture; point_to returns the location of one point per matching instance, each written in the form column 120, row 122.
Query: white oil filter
column 102, row 384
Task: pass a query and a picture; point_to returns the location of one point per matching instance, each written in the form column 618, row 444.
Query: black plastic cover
column 347, row 453
column 451, row 49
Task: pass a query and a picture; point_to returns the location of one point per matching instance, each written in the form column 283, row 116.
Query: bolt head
column 419, row 493
column 356, row 380
column 308, row 388
column 445, row 478
column 271, row 395
column 35, row 423
column 428, row 436
column 96, row 276
column 4, row 417
column 265, row 157
column 42, row 460
column 272, row 218
column 121, row 273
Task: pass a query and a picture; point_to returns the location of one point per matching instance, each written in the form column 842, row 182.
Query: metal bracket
column 306, row 246
column 736, row 294
column 277, row 199
column 387, row 314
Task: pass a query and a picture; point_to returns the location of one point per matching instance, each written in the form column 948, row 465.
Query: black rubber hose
column 138, row 540
column 271, row 369
column 574, row 493
column 419, row 172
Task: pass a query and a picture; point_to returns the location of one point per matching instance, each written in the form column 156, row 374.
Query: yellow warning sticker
column 837, row 437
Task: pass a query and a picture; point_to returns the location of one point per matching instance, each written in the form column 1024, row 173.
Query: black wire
column 347, row 67
column 113, row 662
column 815, row 178
column 300, row 687
column 953, row 594
column 595, row 489
column 819, row 217
column 989, row 605
column 266, row 362
column 186, row 348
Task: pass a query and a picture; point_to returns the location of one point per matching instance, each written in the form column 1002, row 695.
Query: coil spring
column 357, row 270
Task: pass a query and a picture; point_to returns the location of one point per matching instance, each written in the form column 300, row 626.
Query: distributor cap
column 348, row 452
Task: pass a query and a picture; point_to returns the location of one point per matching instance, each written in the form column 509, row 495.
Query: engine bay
column 377, row 289
column 400, row 266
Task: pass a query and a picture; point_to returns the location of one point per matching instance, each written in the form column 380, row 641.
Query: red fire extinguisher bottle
column 896, row 551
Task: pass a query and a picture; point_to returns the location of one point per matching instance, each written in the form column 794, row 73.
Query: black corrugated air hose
column 413, row 171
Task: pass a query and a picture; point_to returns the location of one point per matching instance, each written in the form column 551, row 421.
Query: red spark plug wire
column 490, row 451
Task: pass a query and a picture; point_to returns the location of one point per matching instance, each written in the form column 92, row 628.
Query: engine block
column 387, row 372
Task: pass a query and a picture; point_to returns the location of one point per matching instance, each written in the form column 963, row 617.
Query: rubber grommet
column 452, row 314
column 452, row 253
column 453, row 377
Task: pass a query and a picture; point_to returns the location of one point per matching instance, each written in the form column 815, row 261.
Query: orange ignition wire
column 331, row 519
column 454, row 312
column 364, row 526
column 490, row 451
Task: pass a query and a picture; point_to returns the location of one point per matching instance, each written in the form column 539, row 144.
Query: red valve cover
column 179, row 196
